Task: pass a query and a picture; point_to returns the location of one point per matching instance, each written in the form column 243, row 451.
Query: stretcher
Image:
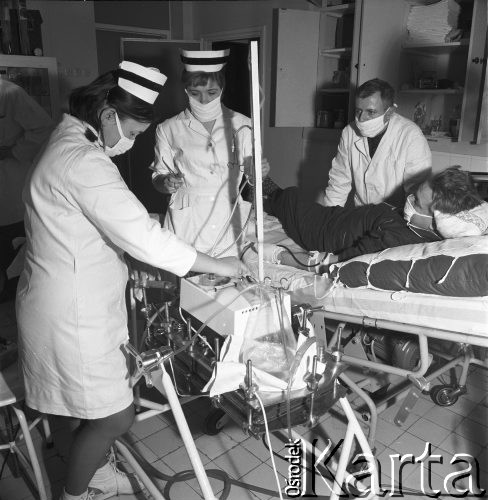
column 410, row 338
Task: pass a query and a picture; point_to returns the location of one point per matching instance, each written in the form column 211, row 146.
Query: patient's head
column 417, row 210
column 458, row 208
column 449, row 192
column 453, row 191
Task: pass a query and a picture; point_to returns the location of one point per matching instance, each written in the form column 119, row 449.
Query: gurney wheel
column 214, row 422
column 442, row 395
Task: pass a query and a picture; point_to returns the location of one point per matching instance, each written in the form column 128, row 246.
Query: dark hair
column 453, row 191
column 200, row 78
column 86, row 102
column 376, row 85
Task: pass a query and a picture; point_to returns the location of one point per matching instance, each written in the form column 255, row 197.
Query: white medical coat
column 72, row 318
column 402, row 154
column 212, row 165
column 24, row 128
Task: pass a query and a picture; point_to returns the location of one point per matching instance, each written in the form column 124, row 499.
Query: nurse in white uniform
column 80, row 219
column 201, row 155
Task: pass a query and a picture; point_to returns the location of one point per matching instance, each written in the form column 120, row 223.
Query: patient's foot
column 269, row 186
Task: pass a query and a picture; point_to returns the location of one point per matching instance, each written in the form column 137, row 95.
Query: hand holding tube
column 249, row 170
column 226, row 266
column 173, row 182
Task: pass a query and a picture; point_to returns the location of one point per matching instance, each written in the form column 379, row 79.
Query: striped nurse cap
column 144, row 83
column 208, row 61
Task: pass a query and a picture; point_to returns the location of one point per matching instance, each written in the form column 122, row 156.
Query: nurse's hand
column 172, row 183
column 232, row 267
column 225, row 266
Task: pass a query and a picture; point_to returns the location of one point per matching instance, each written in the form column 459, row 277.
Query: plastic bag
column 269, row 341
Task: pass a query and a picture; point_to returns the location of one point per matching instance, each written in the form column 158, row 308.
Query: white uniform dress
column 212, row 165
column 402, row 154
column 71, row 311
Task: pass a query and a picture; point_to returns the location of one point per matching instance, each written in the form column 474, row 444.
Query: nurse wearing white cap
column 80, row 219
column 201, row 155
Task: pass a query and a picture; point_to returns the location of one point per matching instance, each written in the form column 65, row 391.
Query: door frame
column 239, row 34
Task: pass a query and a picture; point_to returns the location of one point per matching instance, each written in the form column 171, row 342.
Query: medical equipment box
column 225, row 310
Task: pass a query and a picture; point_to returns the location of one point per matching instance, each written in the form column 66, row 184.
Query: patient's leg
column 326, row 229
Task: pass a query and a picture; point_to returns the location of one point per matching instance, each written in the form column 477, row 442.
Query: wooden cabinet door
column 296, row 68
column 475, row 84
column 380, row 40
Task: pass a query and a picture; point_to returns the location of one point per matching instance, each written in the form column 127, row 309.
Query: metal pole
column 258, row 178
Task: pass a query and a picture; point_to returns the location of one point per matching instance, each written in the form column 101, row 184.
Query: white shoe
column 109, row 481
column 88, row 495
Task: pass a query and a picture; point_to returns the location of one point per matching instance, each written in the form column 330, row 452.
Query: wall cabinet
column 335, row 48
column 441, row 85
column 38, row 76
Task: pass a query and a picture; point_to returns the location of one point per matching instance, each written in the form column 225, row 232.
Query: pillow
column 472, row 222
column 455, row 267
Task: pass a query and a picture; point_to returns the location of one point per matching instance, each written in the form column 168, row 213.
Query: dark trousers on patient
column 346, row 232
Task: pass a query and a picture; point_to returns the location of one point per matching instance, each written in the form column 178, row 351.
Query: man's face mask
column 122, row 145
column 415, row 218
column 373, row 127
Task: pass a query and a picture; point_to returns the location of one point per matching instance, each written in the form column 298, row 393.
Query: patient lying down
column 446, row 205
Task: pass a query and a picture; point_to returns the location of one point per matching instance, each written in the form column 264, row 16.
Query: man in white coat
column 381, row 155
column 24, row 128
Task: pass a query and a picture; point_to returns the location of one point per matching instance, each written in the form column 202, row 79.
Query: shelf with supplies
column 339, row 10
column 321, row 73
column 431, row 91
column 337, row 53
column 444, row 83
column 436, row 48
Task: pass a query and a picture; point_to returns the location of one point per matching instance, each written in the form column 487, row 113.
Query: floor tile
column 237, row 462
column 147, row 427
column 444, row 417
column 386, row 433
column 474, row 431
column 214, row 446
column 179, row 460
column 163, row 441
column 263, row 477
column 455, row 443
column 429, row 431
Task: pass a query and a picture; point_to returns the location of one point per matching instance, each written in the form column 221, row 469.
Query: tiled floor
column 461, row 428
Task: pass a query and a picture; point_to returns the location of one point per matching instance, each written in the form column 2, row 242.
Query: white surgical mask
column 373, row 127
column 409, row 212
column 205, row 112
column 122, row 145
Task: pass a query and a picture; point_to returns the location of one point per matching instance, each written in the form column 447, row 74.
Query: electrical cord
column 266, row 428
column 190, row 474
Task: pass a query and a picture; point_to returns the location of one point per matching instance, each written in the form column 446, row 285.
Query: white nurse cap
column 144, row 83
column 208, row 61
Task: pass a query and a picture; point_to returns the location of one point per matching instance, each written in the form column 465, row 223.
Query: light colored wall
column 289, row 154
column 68, row 34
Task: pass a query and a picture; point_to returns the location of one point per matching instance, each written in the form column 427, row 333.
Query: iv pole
column 257, row 155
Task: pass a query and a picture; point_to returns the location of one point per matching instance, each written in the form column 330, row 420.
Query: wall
column 301, row 156
column 68, row 34
column 294, row 160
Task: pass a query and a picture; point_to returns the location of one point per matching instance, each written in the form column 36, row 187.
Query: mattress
column 462, row 319
column 459, row 315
